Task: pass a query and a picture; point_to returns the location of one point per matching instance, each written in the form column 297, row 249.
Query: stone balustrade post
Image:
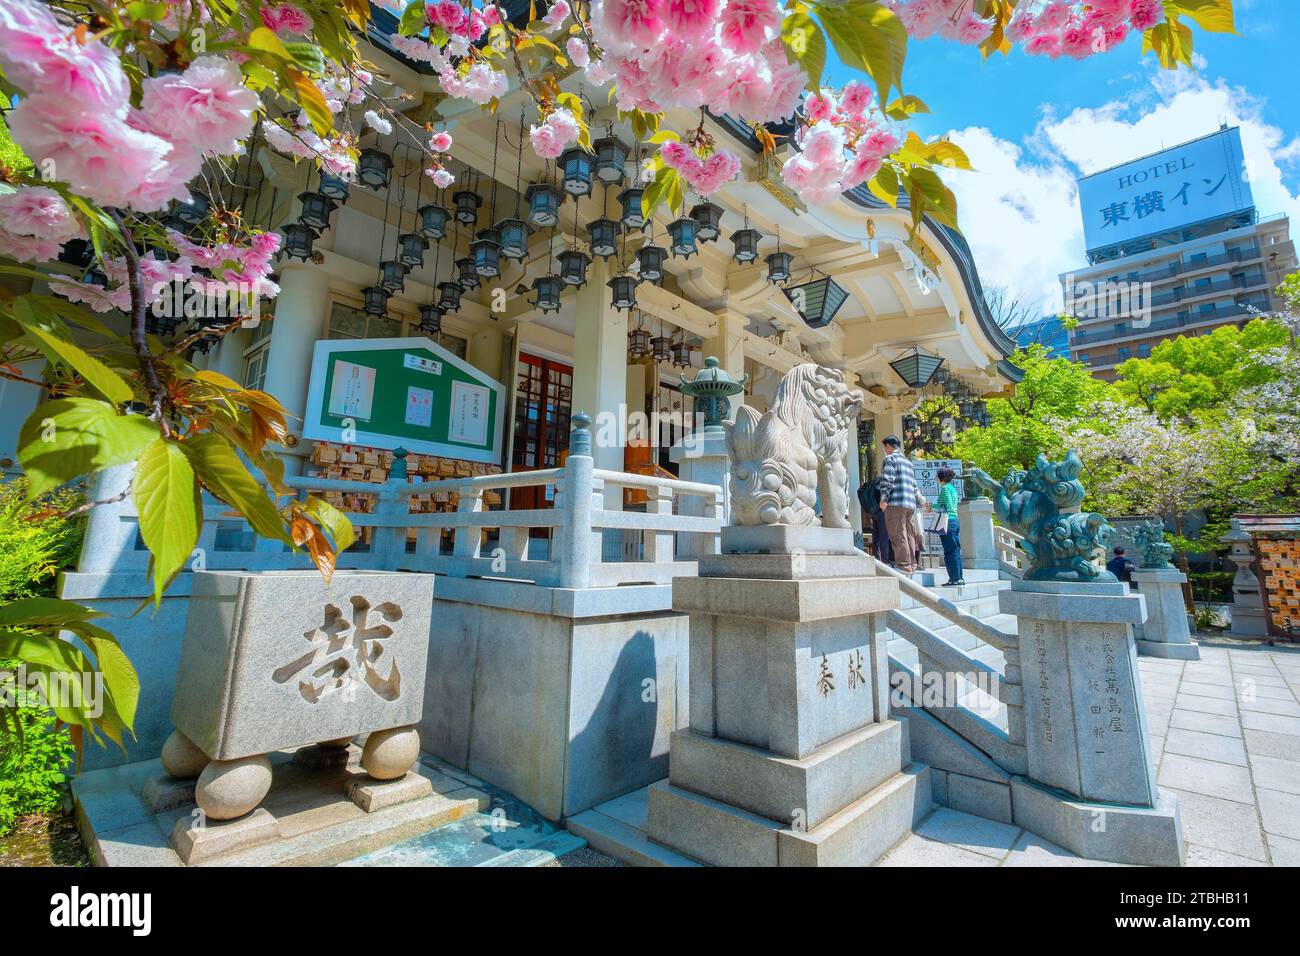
column 576, row 547
column 467, row 541
column 110, row 532
column 979, row 550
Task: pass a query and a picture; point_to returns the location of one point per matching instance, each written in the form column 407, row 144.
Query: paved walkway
column 1226, row 735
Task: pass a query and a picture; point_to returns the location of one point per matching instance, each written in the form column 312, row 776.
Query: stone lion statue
column 783, row 459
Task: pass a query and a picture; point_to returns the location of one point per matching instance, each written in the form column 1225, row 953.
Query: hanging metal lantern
column 547, row 289
column 916, row 367
column 630, row 201
column 661, row 347
column 411, row 246
column 650, row 261
column 193, row 212
column 512, row 234
column 316, row 210
column 604, row 237
column 638, row 342
column 298, row 241
column 467, row 204
column 817, row 300
column 745, row 242
column 624, row 292
column 466, row 274
column 543, row 204
column 940, row 376
column 376, row 300
column 778, row 266
column 433, row 221
column 682, row 233
column 966, row 408
column 333, row 187
column 374, row 168
column 611, row 159
column 575, row 166
column 392, row 275
column 911, row 423
column 708, row 221
column 431, row 318
column 573, row 267
column 486, row 253
column 682, row 353
column 449, row 296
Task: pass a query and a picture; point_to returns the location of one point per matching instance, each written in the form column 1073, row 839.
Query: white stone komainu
column 798, row 450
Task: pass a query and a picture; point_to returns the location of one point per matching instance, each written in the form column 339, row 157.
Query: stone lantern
column 712, row 389
column 1248, row 617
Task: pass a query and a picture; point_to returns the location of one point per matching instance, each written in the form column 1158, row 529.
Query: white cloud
column 1020, row 210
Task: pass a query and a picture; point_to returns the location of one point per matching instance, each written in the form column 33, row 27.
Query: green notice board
column 408, row 392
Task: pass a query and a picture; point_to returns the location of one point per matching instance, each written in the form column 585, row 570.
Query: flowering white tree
column 126, row 109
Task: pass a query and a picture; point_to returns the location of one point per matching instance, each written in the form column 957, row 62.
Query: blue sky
column 1032, row 125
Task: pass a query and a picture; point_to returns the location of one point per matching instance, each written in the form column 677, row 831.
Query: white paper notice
column 469, row 414
column 352, row 392
column 419, row 406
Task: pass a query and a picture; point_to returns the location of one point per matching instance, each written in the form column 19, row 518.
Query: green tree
column 1028, row 421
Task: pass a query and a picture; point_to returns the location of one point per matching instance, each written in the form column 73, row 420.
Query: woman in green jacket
column 950, row 539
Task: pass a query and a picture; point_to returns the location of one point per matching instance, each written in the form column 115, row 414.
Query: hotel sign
column 1200, row 180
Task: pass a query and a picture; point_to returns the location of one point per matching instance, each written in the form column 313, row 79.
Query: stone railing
column 972, row 689
column 559, row 546
column 1011, row 559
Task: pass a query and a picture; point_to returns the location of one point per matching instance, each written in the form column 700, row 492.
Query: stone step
column 981, row 608
column 722, row 835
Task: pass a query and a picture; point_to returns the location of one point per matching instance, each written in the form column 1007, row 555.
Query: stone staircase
column 978, row 597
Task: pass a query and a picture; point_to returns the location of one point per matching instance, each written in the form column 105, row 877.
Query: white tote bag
column 936, row 522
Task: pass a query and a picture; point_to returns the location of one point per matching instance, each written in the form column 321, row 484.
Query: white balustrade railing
column 1011, row 558
column 475, row 540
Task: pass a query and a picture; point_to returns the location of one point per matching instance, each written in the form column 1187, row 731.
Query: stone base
column 370, row 794
column 794, row 792
column 787, row 539
column 196, row 844
column 1169, row 650
column 786, row 567
column 306, row 819
column 1151, row 836
column 719, row 834
column 1248, row 621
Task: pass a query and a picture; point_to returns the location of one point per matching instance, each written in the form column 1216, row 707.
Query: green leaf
column 308, row 56
column 121, row 682
column 931, row 197
column 905, row 107
column 805, row 44
column 70, row 437
column 265, row 41
column 44, row 612
column 223, row 474
column 164, row 492
column 38, row 322
column 884, row 185
column 414, row 20
column 1213, row 16
column 335, row 523
column 868, row 37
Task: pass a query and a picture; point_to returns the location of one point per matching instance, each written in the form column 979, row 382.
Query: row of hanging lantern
column 955, row 406
column 578, row 172
column 675, row 348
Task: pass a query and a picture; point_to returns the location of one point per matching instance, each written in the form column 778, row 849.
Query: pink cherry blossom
column 1146, row 13
column 634, row 22
column 745, row 23
column 207, row 108
column 41, row 213
column 419, row 49
column 440, row 142
column 286, row 19
column 690, row 19
column 480, row 85
column 102, row 158
column 441, row 177
column 97, row 297
column 856, row 98
column 28, row 248
column 378, row 123
column 556, row 14
column 578, row 52
column 559, row 129
column 446, row 14
column 43, row 58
